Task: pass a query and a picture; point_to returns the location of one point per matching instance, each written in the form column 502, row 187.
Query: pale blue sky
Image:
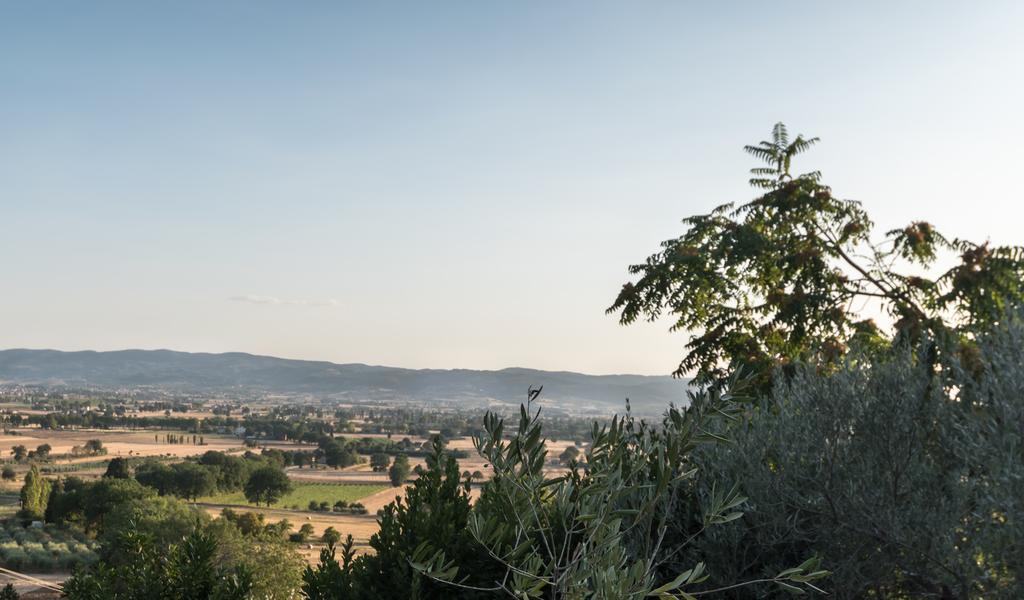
column 454, row 184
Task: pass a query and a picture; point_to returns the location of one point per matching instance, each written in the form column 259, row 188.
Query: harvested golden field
column 117, row 442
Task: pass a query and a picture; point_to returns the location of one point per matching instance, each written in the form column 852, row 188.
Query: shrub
column 906, row 479
column 595, row 533
column 330, row 536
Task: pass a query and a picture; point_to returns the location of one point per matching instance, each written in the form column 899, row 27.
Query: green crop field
column 303, row 493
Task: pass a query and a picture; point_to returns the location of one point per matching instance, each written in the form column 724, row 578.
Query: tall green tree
column 192, row 480
column 267, row 485
column 780, row 279
column 399, row 470
column 96, row 500
column 331, row 536
column 35, row 494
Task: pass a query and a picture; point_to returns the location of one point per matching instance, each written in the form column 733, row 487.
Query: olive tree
column 905, row 480
column 598, row 531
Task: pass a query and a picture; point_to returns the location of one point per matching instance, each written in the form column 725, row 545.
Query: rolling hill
column 212, row 373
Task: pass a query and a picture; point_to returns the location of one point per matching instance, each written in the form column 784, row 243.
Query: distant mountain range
column 240, row 372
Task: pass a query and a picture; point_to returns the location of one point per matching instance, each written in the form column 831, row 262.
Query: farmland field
column 303, row 494
column 118, row 442
column 43, row 550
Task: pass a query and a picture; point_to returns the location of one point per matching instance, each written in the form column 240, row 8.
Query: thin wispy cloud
column 275, row 301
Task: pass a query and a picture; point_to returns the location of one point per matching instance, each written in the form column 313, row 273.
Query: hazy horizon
column 426, row 187
column 387, row 366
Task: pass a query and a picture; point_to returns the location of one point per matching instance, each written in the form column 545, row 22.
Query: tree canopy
column 118, row 468
column 399, row 470
column 35, row 494
column 783, row 278
column 267, row 484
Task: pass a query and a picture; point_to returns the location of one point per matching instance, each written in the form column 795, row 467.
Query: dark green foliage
column 252, row 523
column 187, row 571
column 379, row 462
column 95, row 447
column 777, row 280
column 330, row 536
column 274, row 565
column 118, row 469
column 192, row 480
column 9, row 593
column 339, row 455
column 164, row 520
column 156, row 475
column 105, row 495
column 591, row 533
column 267, row 485
column 232, row 471
column 434, row 512
column 9, row 474
column 247, row 522
column 62, row 504
column 89, row 503
column 399, row 470
column 212, row 472
column 192, row 573
column 390, row 447
column 302, row 535
column 160, row 547
column 332, row 578
column 905, row 480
